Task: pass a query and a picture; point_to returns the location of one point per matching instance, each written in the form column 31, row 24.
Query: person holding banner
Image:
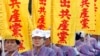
column 39, row 49
column 12, row 46
column 51, row 45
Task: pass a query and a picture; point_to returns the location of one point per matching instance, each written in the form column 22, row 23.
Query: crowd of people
column 85, row 45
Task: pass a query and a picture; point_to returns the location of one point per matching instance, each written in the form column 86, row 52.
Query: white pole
column 3, row 50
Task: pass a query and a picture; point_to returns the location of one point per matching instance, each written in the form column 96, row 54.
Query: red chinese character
column 41, row 22
column 16, row 28
column 21, row 47
column 41, row 19
column 62, row 36
column 43, row 2
column 14, row 3
column 84, row 13
column 65, row 13
column 41, row 26
column 42, row 10
column 65, row 3
column 64, row 25
column 85, row 3
column 84, row 23
column 15, row 16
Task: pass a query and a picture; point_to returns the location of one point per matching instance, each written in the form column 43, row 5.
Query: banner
column 63, row 29
column 41, row 14
column 85, row 16
column 19, row 22
column 4, row 30
column 97, row 15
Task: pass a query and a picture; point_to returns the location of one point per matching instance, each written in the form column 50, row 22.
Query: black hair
column 44, row 38
column 17, row 41
column 78, row 36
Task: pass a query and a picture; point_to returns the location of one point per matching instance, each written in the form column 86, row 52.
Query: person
column 94, row 44
column 48, row 43
column 12, row 45
column 39, row 49
column 67, row 50
column 82, row 47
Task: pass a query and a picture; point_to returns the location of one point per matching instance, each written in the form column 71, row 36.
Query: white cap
column 47, row 33
column 38, row 32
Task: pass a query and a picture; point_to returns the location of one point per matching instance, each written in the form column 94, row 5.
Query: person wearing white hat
column 39, row 49
column 48, row 43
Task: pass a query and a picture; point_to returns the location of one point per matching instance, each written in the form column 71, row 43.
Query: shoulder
column 26, row 53
column 56, row 48
column 49, row 49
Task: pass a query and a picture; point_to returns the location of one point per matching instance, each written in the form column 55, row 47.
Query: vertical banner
column 97, row 14
column 86, row 15
column 4, row 30
column 41, row 12
column 18, row 19
column 63, row 31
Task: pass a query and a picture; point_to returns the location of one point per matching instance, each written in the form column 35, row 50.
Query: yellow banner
column 97, row 7
column 19, row 22
column 85, row 16
column 4, row 30
column 63, row 30
column 41, row 13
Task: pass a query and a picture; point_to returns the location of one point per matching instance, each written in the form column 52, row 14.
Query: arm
column 85, row 50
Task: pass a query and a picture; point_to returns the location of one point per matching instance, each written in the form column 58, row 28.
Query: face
column 87, row 37
column 11, row 45
column 82, row 39
column 47, row 42
column 37, row 41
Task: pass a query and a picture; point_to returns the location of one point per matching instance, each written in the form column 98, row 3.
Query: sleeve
column 96, row 45
column 59, row 52
column 26, row 54
column 71, row 52
column 85, row 50
column 91, row 49
column 52, row 53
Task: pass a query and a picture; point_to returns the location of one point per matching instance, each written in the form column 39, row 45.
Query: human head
column 38, row 37
column 80, row 35
column 11, row 45
column 47, row 34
